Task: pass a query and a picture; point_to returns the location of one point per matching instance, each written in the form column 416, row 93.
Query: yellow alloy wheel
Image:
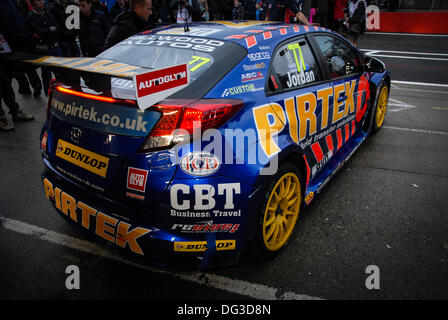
column 281, row 212
column 382, row 107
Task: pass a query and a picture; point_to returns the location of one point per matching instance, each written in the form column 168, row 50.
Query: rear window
column 208, row 60
column 161, row 51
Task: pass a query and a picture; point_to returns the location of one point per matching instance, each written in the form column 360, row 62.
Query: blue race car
column 188, row 147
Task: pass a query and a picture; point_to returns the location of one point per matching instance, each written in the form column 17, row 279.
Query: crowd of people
column 40, row 26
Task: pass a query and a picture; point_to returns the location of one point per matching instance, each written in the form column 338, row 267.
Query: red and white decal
column 251, row 41
column 267, row 35
column 199, row 163
column 363, row 98
column 43, row 143
column 137, row 179
column 156, row 85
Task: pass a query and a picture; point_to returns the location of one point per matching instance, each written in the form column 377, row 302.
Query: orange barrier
column 414, row 22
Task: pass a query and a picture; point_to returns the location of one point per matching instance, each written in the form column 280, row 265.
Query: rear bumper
column 135, row 232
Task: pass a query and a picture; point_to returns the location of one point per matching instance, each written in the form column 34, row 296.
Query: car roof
column 245, row 32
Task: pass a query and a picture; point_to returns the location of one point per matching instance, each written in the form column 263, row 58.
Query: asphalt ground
column 387, row 207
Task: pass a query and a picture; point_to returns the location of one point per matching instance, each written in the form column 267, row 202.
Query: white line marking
column 420, row 83
column 241, row 287
column 408, row 34
column 417, row 130
column 407, row 57
column 370, row 51
column 400, row 105
column 420, row 90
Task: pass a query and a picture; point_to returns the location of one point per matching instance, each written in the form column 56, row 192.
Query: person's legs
column 46, row 72
column 34, row 79
column 353, row 38
column 74, row 49
column 24, row 86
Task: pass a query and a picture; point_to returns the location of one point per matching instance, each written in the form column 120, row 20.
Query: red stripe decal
column 353, row 127
column 273, row 81
column 267, row 35
column 307, row 172
column 307, row 29
column 237, row 36
column 339, row 135
column 251, row 41
column 347, row 132
column 296, row 28
column 329, row 140
column 283, row 31
column 317, row 150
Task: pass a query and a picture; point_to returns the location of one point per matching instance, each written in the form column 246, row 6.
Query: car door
column 294, row 87
column 343, row 66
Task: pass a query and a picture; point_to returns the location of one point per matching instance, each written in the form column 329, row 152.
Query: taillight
column 94, row 96
column 53, row 84
column 181, row 117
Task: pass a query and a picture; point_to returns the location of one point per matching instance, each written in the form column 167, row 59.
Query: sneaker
column 5, row 125
column 22, row 116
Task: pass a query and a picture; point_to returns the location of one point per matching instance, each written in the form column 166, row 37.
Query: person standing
column 338, row 16
column 66, row 37
column 221, row 9
column 13, row 37
column 29, row 74
column 44, row 30
column 187, row 10
column 130, row 22
column 97, row 5
column 94, row 28
column 355, row 20
column 119, row 6
column 282, row 10
column 322, row 12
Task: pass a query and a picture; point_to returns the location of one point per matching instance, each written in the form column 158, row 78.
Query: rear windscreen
column 207, row 59
column 155, row 52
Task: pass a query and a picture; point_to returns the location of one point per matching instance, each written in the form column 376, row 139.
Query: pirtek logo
column 109, row 228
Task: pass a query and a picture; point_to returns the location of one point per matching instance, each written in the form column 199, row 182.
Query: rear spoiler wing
column 150, row 85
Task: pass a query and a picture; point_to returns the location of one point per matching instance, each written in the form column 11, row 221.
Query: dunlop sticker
column 83, row 158
column 199, row 246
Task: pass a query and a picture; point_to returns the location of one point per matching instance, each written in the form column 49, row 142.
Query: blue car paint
column 153, row 212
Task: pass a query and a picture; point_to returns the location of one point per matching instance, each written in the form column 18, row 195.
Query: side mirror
column 374, row 65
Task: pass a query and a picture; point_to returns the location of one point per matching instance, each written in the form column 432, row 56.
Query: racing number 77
column 200, row 64
column 301, row 64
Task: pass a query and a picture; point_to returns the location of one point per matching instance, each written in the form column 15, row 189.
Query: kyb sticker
column 199, row 163
column 156, row 85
